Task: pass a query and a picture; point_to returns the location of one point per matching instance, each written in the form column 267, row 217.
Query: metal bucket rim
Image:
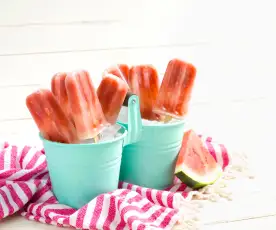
column 158, row 125
column 85, row 144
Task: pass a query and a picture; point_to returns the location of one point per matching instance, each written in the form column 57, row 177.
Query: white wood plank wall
column 230, row 42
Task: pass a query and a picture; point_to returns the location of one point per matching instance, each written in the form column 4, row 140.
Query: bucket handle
column 134, row 119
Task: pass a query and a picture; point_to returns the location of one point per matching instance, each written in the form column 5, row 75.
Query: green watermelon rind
column 191, row 179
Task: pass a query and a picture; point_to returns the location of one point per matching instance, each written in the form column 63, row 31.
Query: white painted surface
column 230, row 42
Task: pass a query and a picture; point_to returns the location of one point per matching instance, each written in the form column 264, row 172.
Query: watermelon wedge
column 195, row 166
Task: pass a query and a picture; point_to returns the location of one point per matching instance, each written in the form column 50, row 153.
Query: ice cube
column 111, row 132
column 123, row 117
column 87, row 141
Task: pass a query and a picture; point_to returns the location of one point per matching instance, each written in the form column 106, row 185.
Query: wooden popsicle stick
column 167, row 119
column 96, row 138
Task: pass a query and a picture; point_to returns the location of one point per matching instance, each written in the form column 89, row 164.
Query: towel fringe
column 238, row 168
column 188, row 216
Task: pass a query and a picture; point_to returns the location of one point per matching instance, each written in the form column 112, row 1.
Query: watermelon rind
column 191, row 179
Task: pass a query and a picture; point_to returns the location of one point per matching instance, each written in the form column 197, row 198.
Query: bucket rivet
column 134, row 101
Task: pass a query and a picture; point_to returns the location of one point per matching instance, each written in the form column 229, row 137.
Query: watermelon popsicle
column 119, row 70
column 49, row 117
column 59, row 90
column 86, row 109
column 175, row 90
column 144, row 82
column 111, row 93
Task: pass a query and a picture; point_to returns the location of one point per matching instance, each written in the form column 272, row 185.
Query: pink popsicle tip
column 71, row 75
column 110, row 75
column 118, row 79
column 116, row 66
column 179, row 60
column 80, row 71
column 58, row 77
column 107, row 74
column 58, row 74
column 144, row 65
column 40, row 91
column 114, row 78
column 36, row 93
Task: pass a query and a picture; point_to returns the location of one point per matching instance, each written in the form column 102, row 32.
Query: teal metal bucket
column 150, row 162
column 80, row 172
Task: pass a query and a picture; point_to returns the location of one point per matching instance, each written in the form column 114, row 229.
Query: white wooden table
column 232, row 48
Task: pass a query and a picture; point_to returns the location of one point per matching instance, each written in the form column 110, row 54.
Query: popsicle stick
column 96, row 138
column 167, row 119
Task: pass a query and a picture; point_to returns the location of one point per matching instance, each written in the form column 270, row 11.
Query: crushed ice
column 109, row 133
column 123, row 117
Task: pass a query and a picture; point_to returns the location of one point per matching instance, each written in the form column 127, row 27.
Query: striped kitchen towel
column 25, row 185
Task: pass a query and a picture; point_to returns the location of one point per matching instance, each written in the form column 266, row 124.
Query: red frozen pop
column 119, row 70
column 112, row 92
column 49, row 117
column 144, row 82
column 176, row 89
column 59, row 90
column 86, row 109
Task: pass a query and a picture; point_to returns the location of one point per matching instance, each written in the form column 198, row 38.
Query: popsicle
column 176, row 89
column 59, row 90
column 144, row 82
column 119, row 70
column 112, row 92
column 49, row 117
column 86, row 109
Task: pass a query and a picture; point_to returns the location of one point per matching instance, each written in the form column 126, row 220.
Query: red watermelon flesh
column 195, row 166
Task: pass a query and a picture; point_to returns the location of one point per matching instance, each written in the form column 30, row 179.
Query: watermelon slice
column 195, row 166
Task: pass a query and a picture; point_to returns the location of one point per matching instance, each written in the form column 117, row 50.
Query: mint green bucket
column 150, row 162
column 80, row 172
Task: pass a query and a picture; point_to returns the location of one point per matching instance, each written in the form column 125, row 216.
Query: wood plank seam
column 240, row 219
column 71, row 23
column 188, row 44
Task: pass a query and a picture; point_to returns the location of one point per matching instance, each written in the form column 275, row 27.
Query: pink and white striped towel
column 25, row 186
